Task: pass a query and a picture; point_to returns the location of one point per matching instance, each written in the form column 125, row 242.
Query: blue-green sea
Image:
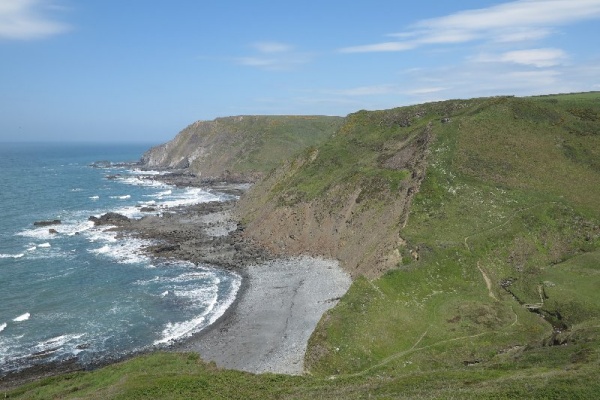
column 82, row 292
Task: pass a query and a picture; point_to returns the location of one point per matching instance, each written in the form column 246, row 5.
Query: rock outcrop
column 48, row 223
column 110, row 218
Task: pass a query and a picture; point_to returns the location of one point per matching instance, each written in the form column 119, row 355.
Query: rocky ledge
column 204, row 233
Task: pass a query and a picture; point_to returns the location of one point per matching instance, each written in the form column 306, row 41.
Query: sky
column 141, row 71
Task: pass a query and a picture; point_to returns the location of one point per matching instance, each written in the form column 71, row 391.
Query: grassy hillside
column 507, row 228
column 473, row 231
column 242, row 147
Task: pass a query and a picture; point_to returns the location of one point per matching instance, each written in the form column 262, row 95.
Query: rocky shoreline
column 274, row 290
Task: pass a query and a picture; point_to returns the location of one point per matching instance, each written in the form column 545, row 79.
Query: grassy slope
column 246, row 145
column 510, row 198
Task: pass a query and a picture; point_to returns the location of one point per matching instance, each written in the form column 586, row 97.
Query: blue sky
column 133, row 70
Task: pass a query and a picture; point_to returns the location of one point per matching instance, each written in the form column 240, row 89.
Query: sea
column 83, row 292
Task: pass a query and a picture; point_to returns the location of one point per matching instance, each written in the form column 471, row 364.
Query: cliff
column 351, row 197
column 242, row 147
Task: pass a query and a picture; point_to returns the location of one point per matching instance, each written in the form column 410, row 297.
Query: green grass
column 507, row 216
column 502, row 198
column 244, row 146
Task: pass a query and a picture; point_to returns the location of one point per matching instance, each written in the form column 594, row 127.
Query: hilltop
column 240, row 148
column 472, row 231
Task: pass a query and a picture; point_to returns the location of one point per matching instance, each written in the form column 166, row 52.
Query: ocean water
column 83, row 292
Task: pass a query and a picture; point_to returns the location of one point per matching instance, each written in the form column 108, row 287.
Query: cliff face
column 350, row 198
column 243, row 147
column 349, row 194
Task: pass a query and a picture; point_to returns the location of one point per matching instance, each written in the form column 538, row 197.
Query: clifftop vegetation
column 472, row 229
column 242, row 147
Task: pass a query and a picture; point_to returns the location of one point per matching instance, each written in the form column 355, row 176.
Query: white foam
column 70, row 227
column 127, row 251
column 124, row 197
column 11, row 255
column 94, row 197
column 236, row 283
column 164, row 193
column 190, row 196
column 37, row 233
column 207, row 295
column 3, row 326
column 163, row 294
column 129, row 211
column 137, row 171
column 183, row 278
column 32, row 248
column 54, row 344
column 75, row 228
column 141, row 179
column 23, row 317
column 101, row 235
column 44, row 245
column 176, row 331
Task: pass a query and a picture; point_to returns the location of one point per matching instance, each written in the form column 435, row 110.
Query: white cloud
column 271, row 47
column 521, row 20
column 477, row 79
column 522, row 35
column 386, row 90
column 257, row 62
column 521, row 13
column 535, row 57
column 425, row 90
column 375, row 90
column 274, row 56
column 531, row 57
column 379, row 47
column 24, row 19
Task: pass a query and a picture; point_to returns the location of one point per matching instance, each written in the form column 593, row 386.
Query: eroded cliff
column 240, row 148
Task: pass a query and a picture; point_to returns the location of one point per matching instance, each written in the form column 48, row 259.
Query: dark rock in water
column 110, row 164
column 46, row 223
column 148, row 209
column 101, row 164
column 164, row 248
column 83, row 346
column 113, row 177
column 44, row 353
column 110, row 218
column 52, row 231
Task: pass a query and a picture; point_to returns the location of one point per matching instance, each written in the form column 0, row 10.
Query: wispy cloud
column 272, row 47
column 374, row 90
column 533, row 57
column 28, row 19
column 274, row 56
column 380, row 47
column 516, row 21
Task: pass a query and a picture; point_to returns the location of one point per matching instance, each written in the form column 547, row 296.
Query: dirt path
column 488, row 282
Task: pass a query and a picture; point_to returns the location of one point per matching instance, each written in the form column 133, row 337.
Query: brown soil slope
column 350, row 198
